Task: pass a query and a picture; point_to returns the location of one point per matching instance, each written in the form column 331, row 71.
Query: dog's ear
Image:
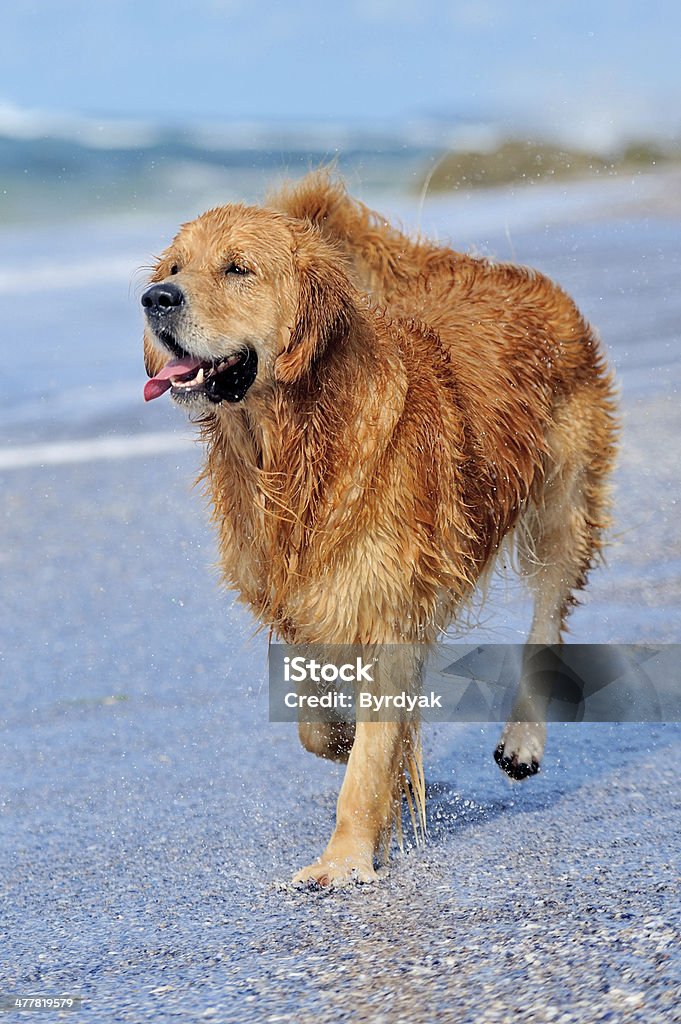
column 324, row 314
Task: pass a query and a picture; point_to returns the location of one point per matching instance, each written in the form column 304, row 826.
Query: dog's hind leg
column 558, row 541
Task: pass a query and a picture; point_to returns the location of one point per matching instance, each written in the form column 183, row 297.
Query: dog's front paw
column 521, row 748
column 326, row 872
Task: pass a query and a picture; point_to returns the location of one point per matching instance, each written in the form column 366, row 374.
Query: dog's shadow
column 449, row 812
column 473, row 798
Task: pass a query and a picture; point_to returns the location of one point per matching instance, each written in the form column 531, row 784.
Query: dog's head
column 243, row 299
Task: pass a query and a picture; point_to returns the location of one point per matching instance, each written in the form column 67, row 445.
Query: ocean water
column 82, row 168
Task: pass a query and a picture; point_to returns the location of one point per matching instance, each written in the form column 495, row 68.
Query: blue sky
column 576, row 63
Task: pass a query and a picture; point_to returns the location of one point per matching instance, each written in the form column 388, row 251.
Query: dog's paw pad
column 514, row 767
column 520, row 749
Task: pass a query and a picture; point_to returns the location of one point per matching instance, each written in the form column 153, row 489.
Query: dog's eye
column 237, row 269
column 175, row 269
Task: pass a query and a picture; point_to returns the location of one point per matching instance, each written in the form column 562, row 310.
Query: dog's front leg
column 365, row 807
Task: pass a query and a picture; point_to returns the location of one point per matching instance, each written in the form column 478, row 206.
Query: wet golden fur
column 413, row 406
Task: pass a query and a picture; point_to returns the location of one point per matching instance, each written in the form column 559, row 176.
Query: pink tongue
column 155, row 387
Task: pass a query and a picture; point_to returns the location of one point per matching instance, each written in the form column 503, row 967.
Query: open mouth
column 188, row 378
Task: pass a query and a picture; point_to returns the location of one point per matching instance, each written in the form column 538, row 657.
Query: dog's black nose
column 162, row 298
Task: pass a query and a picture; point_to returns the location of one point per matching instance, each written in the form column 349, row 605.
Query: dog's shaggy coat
column 413, row 408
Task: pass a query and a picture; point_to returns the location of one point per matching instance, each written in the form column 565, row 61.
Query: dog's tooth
column 199, row 377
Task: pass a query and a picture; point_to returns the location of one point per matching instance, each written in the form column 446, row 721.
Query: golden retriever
column 379, row 415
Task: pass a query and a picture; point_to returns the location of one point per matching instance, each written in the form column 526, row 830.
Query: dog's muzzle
column 187, row 377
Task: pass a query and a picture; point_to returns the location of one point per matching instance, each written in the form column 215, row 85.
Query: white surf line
column 69, row 276
column 59, row 453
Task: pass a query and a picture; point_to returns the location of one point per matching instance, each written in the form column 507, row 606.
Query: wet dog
column 380, row 416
